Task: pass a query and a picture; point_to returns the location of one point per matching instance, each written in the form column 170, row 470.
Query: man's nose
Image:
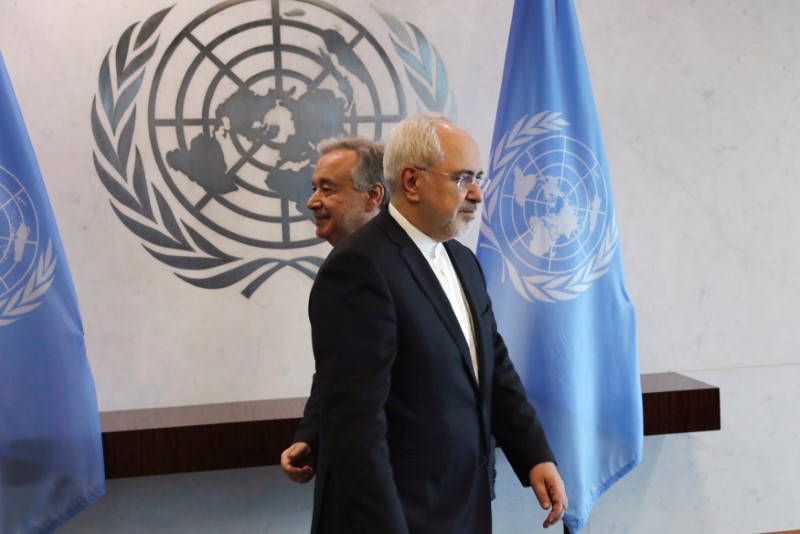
column 314, row 201
column 475, row 193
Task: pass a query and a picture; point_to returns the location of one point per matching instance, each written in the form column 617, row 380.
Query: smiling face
column 445, row 210
column 339, row 210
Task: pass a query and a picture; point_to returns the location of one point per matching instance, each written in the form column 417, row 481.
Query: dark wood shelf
column 161, row 451
column 250, row 434
column 673, row 404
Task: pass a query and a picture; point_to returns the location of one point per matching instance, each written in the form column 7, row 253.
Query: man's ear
column 409, row 183
column 375, row 194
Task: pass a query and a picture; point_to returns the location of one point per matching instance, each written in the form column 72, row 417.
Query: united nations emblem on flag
column 26, row 268
column 547, row 210
column 236, row 105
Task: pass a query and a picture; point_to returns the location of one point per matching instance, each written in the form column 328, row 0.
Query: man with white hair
column 415, row 386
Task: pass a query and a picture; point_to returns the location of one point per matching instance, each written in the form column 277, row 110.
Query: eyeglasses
column 465, row 179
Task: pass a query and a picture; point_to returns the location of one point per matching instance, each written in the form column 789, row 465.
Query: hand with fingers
column 297, row 462
column 549, row 490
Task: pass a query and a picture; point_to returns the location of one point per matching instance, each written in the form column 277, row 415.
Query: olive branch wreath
column 28, row 297
column 546, row 288
column 178, row 244
column 425, row 69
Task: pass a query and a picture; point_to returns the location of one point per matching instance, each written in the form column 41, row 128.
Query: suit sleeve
column 515, row 424
column 354, row 335
column 308, row 431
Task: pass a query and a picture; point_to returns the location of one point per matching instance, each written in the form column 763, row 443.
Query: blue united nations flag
column 51, row 459
column 549, row 244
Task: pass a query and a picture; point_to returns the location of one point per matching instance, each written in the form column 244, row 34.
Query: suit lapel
column 428, row 283
column 471, row 288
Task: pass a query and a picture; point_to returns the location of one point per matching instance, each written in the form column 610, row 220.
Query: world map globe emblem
column 19, row 234
column 234, row 108
column 552, row 206
column 241, row 98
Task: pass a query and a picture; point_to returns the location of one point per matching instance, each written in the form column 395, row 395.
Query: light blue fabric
column 51, row 458
column 550, row 250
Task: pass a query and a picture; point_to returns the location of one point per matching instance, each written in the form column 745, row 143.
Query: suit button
column 482, row 461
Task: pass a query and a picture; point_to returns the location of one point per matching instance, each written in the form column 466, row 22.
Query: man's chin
column 459, row 229
column 465, row 221
column 323, row 232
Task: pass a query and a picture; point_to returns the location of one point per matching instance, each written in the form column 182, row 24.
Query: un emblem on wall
column 238, row 102
column 26, row 269
column 547, row 212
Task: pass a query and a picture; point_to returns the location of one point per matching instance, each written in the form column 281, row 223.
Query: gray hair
column 369, row 169
column 413, row 142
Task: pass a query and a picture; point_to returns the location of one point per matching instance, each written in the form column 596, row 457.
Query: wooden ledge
column 249, row 434
column 202, row 414
column 673, row 404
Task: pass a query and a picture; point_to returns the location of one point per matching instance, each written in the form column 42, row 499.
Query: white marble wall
column 699, row 103
column 700, row 109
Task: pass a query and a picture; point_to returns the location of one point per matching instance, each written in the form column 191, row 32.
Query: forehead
column 337, row 166
column 460, row 149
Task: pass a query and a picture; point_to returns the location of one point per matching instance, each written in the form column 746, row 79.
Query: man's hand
column 549, row 490
column 296, row 462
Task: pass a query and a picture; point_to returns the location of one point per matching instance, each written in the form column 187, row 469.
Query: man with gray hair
column 348, row 190
column 348, row 186
column 415, row 385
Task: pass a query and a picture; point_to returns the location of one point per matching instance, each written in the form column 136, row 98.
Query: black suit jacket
column 407, row 434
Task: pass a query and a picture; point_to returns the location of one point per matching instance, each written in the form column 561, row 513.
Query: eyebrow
column 326, row 181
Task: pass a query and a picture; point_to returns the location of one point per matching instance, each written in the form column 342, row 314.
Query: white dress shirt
column 442, row 267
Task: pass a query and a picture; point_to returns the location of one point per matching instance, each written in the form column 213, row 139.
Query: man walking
column 415, row 386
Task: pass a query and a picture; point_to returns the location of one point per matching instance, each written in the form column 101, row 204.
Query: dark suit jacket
column 407, row 435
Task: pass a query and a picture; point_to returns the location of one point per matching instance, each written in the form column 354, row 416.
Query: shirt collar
column 429, row 247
